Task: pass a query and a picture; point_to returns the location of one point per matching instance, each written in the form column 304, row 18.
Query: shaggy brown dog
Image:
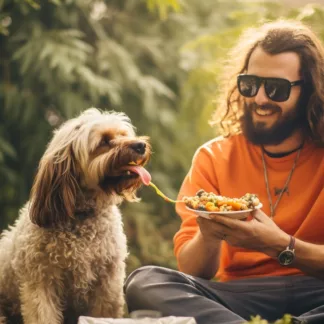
column 65, row 255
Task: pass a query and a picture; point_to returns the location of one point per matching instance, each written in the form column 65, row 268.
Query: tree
column 158, row 61
column 64, row 56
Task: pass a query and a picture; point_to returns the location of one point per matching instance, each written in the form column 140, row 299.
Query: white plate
column 238, row 214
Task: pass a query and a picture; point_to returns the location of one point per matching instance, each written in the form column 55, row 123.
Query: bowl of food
column 205, row 204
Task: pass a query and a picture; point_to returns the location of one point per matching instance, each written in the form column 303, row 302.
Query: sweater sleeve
column 200, row 176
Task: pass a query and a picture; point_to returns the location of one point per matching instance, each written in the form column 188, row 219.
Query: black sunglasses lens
column 277, row 89
column 248, row 85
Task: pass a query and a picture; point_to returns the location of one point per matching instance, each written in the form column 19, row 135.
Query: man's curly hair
column 274, row 38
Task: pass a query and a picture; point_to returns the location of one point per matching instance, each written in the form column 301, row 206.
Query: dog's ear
column 53, row 195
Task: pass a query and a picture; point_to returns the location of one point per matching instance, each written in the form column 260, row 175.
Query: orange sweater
column 233, row 167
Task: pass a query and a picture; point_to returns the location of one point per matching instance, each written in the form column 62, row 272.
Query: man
column 272, row 263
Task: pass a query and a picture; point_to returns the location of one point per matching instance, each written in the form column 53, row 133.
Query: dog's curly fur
column 65, row 255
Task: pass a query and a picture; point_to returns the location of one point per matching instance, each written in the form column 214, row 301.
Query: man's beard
column 284, row 127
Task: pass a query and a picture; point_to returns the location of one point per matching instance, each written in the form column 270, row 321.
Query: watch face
column 286, row 257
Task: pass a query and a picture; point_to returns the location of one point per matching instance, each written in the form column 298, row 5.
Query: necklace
column 274, row 206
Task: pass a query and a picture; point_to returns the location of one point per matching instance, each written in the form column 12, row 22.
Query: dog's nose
column 138, row 147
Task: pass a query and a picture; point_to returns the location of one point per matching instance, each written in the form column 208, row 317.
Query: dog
column 65, row 255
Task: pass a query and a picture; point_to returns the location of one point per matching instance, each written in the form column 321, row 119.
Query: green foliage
column 287, row 319
column 65, row 56
column 163, row 6
column 59, row 57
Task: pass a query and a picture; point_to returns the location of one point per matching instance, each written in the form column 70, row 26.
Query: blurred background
column 159, row 61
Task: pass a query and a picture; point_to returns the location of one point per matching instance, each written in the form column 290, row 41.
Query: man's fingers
column 210, row 223
column 228, row 222
column 213, row 227
column 260, row 216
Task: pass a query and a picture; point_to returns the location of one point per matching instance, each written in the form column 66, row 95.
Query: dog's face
column 96, row 153
column 115, row 157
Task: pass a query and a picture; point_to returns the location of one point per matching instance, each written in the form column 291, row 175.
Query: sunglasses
column 276, row 89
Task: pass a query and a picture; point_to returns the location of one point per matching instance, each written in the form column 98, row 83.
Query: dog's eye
column 104, row 141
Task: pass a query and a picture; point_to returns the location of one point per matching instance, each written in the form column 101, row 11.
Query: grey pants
column 174, row 293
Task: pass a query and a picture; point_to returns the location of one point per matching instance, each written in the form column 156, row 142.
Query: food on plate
column 209, row 201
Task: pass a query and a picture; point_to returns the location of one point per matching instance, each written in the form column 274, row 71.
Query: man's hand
column 210, row 230
column 259, row 234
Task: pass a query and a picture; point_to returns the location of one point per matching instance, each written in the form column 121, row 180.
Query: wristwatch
column 287, row 256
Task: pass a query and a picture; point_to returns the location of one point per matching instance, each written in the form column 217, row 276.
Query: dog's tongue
column 143, row 173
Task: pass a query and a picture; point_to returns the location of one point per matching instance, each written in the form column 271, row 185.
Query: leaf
column 162, row 6
column 98, row 85
column 6, row 148
column 157, row 86
column 56, row 2
column 124, row 63
column 33, row 4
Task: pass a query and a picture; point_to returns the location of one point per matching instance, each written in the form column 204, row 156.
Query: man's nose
column 261, row 97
